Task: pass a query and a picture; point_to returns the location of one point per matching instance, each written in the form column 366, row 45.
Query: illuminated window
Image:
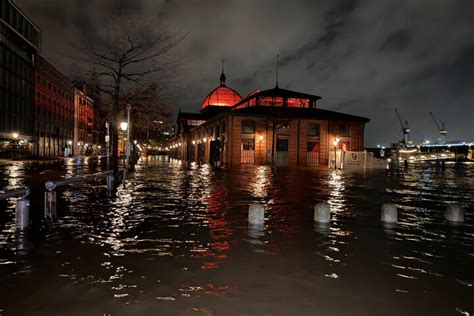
column 270, row 101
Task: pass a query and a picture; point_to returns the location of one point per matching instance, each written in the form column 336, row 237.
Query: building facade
column 20, row 40
column 274, row 126
column 83, row 143
column 54, row 111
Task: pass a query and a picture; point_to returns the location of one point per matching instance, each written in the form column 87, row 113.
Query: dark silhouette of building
column 20, row 40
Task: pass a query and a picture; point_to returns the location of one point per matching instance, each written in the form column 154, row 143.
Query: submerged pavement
column 176, row 241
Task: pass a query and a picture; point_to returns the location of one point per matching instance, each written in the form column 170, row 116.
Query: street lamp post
column 107, row 143
column 335, row 143
column 123, row 127
column 15, row 137
column 129, row 127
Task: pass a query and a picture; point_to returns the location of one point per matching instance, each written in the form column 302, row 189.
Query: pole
column 335, row 157
column 129, row 128
column 107, row 143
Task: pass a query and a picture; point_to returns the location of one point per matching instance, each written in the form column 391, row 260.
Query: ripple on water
column 188, row 229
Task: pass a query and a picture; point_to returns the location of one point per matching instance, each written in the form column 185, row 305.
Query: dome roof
column 221, row 96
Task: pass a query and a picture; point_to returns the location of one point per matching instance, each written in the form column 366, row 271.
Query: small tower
column 222, row 75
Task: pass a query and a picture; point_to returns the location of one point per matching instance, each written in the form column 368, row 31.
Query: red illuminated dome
column 221, row 96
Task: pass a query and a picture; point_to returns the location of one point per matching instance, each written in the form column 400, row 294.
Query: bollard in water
column 389, row 213
column 256, row 214
column 454, row 213
column 50, row 204
column 110, row 185
column 322, row 213
column 22, row 214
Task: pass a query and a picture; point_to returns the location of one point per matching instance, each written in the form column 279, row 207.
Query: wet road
column 176, row 242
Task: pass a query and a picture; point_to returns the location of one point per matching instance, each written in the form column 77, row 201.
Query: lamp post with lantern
column 335, row 143
column 15, row 139
column 124, row 127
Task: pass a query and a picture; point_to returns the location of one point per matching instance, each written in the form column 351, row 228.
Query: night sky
column 362, row 57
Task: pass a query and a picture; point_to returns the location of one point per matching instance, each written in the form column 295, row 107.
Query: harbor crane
column 405, row 129
column 441, row 129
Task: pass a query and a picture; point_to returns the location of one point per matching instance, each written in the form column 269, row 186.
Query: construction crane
column 405, row 128
column 441, row 129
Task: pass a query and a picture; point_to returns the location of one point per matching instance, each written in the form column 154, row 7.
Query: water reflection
column 262, row 181
column 336, row 195
column 176, row 240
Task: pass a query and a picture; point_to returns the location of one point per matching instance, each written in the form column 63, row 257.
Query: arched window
column 248, row 127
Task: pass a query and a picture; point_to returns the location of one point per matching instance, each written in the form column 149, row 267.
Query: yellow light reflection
column 336, row 194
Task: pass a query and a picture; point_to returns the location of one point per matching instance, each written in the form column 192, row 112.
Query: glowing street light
column 335, row 143
column 123, row 126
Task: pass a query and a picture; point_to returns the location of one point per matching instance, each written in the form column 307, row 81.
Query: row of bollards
column 322, row 213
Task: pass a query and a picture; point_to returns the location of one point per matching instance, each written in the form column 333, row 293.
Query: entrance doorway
column 312, row 153
column 282, row 151
column 247, row 153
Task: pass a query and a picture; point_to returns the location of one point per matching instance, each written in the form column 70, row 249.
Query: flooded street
column 176, row 241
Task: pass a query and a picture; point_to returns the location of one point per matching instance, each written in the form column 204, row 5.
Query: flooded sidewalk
column 176, row 241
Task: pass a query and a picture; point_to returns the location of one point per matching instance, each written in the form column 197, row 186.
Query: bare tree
column 128, row 52
column 147, row 108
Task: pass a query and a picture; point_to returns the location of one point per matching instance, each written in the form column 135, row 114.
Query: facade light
column 204, row 139
column 15, row 135
column 260, row 138
column 194, row 142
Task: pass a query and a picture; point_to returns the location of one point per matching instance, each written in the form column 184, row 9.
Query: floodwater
column 175, row 241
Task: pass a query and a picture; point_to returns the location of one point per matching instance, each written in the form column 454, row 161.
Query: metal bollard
column 389, row 213
column 110, row 185
column 322, row 213
column 22, row 214
column 50, row 204
column 256, row 214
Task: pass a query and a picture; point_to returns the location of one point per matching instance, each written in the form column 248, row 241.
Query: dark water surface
column 176, row 242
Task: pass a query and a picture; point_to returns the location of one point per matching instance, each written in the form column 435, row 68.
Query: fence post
column 50, row 204
column 110, row 185
column 22, row 213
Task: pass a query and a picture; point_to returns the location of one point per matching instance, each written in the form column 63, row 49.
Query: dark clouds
column 362, row 57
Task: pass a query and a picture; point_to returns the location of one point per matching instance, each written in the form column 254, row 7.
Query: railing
column 21, row 193
column 51, row 185
column 50, row 196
